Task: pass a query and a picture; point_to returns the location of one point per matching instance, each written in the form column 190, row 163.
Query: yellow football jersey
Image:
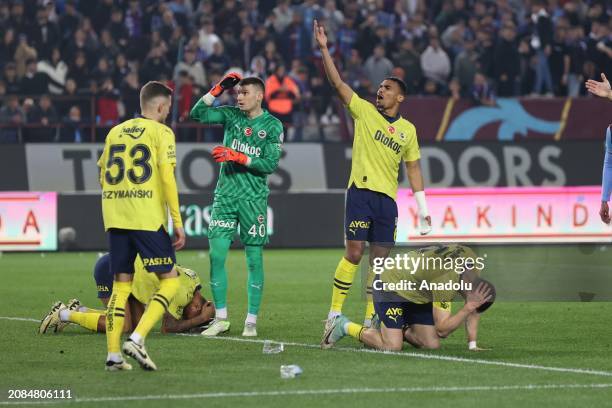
column 379, row 147
column 435, row 268
column 132, row 193
column 146, row 284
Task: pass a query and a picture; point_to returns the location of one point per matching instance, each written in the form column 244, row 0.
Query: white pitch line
column 481, row 388
column 399, row 353
column 425, row 356
column 19, row 319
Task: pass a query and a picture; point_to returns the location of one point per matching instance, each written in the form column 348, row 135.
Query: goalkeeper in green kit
column 250, row 152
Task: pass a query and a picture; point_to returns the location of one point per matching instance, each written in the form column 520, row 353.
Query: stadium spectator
column 44, row 34
column 107, row 106
column 11, row 81
column 333, row 19
column 33, row 82
column 283, row 15
column 378, row 66
column 11, row 114
column 69, row 21
column 23, row 54
column 281, row 94
column 576, row 50
column 43, row 116
column 102, row 70
column 541, row 42
column 218, row 61
column 347, row 38
column 56, row 70
column 466, row 65
column 435, row 62
column 409, row 60
column 72, row 131
column 18, row 18
column 8, row 45
column 482, row 92
column 155, row 66
column 272, row 57
column 130, row 94
column 193, row 67
column 507, row 62
column 108, row 48
column 296, row 39
column 207, row 37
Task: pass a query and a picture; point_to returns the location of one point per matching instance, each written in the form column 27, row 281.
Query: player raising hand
column 382, row 140
column 250, row 152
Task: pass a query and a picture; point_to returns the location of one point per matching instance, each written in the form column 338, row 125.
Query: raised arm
column 203, row 111
column 345, row 93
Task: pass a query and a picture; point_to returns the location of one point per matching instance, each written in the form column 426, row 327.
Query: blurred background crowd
column 80, row 63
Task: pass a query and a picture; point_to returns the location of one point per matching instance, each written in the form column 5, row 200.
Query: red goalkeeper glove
column 225, row 154
column 227, row 82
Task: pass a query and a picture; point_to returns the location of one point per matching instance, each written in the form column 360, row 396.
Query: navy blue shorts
column 395, row 312
column 103, row 277
column 154, row 247
column 370, row 216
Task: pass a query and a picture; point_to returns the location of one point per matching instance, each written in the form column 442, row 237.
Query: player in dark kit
column 250, row 152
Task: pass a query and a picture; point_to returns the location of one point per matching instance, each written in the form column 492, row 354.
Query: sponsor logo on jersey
column 261, row 134
column 134, row 132
column 391, row 129
column 248, row 131
column 387, row 141
column 394, row 312
column 222, row 224
column 246, row 148
column 260, row 218
column 445, row 305
column 157, row 261
column 359, row 224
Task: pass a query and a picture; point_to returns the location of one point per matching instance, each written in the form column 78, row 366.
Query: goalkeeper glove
column 227, row 82
column 225, row 154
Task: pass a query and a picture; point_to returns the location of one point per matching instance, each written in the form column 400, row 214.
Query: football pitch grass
column 542, row 354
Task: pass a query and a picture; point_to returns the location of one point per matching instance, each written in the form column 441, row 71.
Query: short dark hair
column 258, row 82
column 400, row 83
column 153, row 89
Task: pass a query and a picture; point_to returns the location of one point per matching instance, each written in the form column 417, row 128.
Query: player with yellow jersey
column 138, row 190
column 414, row 305
column 382, row 140
column 189, row 310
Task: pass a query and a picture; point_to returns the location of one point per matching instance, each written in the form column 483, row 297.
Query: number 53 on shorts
column 251, row 215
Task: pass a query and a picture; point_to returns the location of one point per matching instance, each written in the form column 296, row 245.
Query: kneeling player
column 420, row 316
column 187, row 310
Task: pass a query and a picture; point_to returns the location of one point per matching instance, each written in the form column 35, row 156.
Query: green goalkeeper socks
column 218, row 275
column 254, row 256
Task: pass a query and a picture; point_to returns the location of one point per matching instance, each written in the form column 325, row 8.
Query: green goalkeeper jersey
column 259, row 138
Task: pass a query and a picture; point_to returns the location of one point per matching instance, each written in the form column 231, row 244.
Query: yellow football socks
column 343, row 279
column 115, row 315
column 355, row 330
column 157, row 306
column 86, row 320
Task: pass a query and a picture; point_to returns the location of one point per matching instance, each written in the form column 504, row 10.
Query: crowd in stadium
column 82, row 62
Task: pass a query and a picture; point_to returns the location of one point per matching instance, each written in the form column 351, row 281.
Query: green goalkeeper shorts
column 229, row 213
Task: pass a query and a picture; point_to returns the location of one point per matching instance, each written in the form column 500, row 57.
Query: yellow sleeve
column 171, row 192
column 358, row 107
column 102, row 164
column 166, row 160
column 411, row 149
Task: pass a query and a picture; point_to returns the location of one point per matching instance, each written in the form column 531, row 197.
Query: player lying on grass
column 188, row 309
column 417, row 314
